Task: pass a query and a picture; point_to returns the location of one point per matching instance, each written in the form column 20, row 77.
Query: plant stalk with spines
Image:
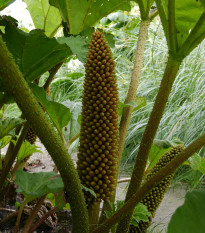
column 148, row 185
column 18, row 88
column 170, row 73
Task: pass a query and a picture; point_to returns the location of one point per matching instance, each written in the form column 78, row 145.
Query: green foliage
column 187, row 13
column 5, row 3
column 140, row 213
column 183, row 27
column 78, row 46
column 137, row 104
column 196, row 162
column 46, row 52
column 89, row 190
column 26, row 150
column 73, row 127
column 67, row 85
column 89, row 12
column 34, row 185
column 4, row 141
column 190, row 216
column 9, row 124
column 155, row 154
column 44, row 16
column 59, row 114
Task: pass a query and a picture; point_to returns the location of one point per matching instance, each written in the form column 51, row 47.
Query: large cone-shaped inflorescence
column 99, row 128
column 155, row 196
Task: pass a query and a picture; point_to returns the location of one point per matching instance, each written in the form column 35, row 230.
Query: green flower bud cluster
column 153, row 199
column 99, row 134
column 31, row 136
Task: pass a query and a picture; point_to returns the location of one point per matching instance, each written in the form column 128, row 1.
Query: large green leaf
column 187, row 13
column 78, row 45
column 44, row 16
column 190, row 216
column 5, row 3
column 59, row 114
column 81, row 14
column 38, row 184
column 34, row 52
column 8, row 124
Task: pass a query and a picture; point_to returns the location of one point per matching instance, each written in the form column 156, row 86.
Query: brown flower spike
column 31, row 136
column 155, row 196
column 99, row 128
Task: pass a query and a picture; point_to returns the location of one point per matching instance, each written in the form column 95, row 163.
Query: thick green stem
column 131, row 95
column 93, row 213
column 8, row 166
column 33, row 214
column 149, row 134
column 32, row 111
column 164, row 172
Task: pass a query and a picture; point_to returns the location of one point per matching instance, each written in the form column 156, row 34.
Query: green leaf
column 190, row 216
column 67, row 206
column 187, row 13
column 26, row 150
column 8, row 124
column 59, row 114
column 90, row 11
column 73, row 127
column 137, row 104
column 4, row 141
column 38, row 184
column 155, row 154
column 140, row 213
column 88, row 190
column 5, row 3
column 108, row 214
column 202, row 167
column 44, row 16
column 195, row 161
column 17, row 204
column 77, row 44
column 34, row 52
